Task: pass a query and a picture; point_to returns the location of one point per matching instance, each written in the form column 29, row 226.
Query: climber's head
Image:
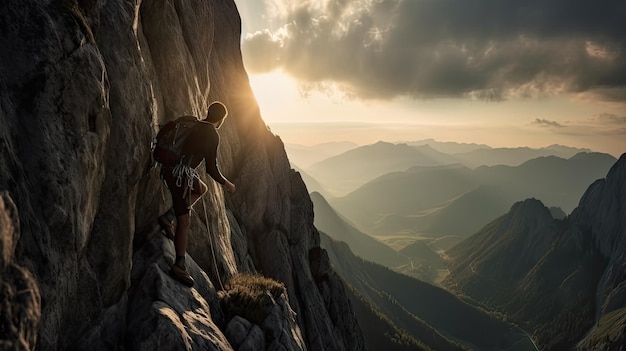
column 216, row 114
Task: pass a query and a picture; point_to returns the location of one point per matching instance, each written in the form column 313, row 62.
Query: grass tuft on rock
column 250, row 296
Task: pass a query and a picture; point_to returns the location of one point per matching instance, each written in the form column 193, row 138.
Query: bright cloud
column 483, row 49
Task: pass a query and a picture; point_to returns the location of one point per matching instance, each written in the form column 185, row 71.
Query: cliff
column 84, row 86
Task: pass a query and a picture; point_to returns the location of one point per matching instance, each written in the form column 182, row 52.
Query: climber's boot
column 182, row 275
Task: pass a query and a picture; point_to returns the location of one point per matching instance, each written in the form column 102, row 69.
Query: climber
column 185, row 185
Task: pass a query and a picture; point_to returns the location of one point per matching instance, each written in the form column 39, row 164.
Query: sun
column 276, row 94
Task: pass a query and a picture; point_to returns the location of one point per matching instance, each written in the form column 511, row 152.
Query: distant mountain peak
column 532, row 213
column 528, row 206
column 564, row 148
column 424, row 147
column 589, row 154
column 557, row 213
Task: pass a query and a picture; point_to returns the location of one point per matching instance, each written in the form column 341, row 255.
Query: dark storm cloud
column 612, row 119
column 486, row 49
column 546, row 123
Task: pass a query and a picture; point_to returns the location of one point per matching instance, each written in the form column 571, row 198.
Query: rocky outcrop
column 601, row 215
column 517, row 241
column 83, row 88
column 157, row 312
column 20, row 301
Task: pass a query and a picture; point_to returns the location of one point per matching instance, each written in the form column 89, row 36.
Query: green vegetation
column 455, row 200
column 427, row 313
column 330, row 222
column 379, row 331
column 250, row 296
column 526, row 266
column 443, row 311
column 610, row 332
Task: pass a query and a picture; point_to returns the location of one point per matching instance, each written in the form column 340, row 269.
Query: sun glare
column 275, row 93
column 320, row 116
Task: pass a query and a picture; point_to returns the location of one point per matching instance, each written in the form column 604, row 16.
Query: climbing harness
column 182, row 170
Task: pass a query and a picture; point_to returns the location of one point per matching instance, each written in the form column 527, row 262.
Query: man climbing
column 182, row 179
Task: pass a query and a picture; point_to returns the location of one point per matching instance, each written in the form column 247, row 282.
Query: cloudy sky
column 499, row 72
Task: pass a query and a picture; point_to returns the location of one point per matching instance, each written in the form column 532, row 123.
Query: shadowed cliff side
column 83, row 88
column 20, row 301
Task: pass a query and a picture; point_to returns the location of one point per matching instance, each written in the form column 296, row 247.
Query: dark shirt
column 201, row 144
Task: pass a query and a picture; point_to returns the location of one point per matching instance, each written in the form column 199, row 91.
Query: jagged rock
column 601, row 215
column 239, row 243
column 159, row 312
column 244, row 335
column 320, row 263
column 341, row 314
column 9, row 230
column 109, row 331
column 272, row 242
column 185, row 318
column 280, row 327
column 84, row 86
column 557, row 213
column 20, row 301
column 55, row 114
column 256, row 300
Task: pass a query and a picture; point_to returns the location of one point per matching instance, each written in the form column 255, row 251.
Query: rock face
column 83, row 88
column 20, row 301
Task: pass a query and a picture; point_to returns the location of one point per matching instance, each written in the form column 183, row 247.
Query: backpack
column 171, row 138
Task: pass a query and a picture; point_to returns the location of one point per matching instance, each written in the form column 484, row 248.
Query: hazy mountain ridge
column 455, row 200
column 482, row 154
column 347, row 171
column 403, row 194
column 448, row 147
column 556, row 277
column 363, row 245
column 312, row 185
column 416, row 259
column 305, row 156
column 514, row 156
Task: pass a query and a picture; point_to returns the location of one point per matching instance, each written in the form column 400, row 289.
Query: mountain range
column 414, row 258
column 303, row 156
column 514, row 156
column 84, row 263
column 561, row 279
column 329, row 221
column 345, row 172
column 456, row 200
